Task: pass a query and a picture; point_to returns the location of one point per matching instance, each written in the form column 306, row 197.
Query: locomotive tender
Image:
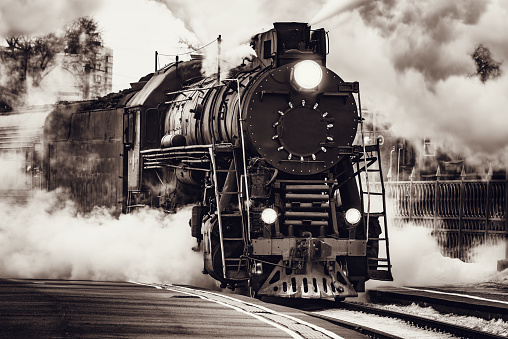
column 266, row 157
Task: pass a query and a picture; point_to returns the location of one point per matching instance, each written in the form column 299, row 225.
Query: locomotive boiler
column 267, row 157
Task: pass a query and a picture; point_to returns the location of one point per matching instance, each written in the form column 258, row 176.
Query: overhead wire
column 192, row 51
column 185, row 53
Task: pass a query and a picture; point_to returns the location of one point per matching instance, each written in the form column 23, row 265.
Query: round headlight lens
column 353, row 216
column 269, row 216
column 307, row 74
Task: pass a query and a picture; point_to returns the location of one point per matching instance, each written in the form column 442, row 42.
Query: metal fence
column 462, row 213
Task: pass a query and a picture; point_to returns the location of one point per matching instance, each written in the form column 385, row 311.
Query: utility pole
column 219, row 40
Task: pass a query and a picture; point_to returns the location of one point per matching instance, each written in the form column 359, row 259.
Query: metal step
column 306, row 222
column 306, row 197
column 307, row 188
column 305, row 215
column 306, row 205
column 229, row 215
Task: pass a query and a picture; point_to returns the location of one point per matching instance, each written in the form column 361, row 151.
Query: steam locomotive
column 266, row 156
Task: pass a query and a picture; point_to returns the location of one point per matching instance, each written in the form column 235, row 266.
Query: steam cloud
column 413, row 60
column 417, row 260
column 41, row 16
column 48, row 239
column 236, row 21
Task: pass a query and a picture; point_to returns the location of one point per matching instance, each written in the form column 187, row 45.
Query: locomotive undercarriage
column 309, row 251
column 303, row 254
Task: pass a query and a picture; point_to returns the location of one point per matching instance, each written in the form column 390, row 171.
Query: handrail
column 244, row 159
column 219, row 217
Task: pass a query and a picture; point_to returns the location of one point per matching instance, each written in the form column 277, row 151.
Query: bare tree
column 26, row 57
column 32, row 57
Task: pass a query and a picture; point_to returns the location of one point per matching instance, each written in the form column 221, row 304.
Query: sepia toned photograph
column 253, row 169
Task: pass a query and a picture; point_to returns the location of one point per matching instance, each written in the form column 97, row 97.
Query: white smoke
column 47, row 238
column 41, row 16
column 236, row 22
column 135, row 29
column 416, row 257
column 417, row 260
column 413, row 60
column 333, row 8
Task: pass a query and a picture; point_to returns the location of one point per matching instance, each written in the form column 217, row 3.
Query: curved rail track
column 293, row 326
column 298, row 328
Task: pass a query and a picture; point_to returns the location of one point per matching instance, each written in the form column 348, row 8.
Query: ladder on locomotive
column 230, row 264
column 379, row 268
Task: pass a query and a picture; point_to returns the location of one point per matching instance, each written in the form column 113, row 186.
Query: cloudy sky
column 411, row 57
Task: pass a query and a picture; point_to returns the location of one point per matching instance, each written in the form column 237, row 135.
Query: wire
column 192, row 51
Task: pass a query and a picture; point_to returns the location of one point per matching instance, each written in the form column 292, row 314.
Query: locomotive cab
column 288, row 42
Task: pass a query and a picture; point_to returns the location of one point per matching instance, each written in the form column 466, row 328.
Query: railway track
column 458, row 315
column 301, row 329
column 418, row 321
column 293, row 326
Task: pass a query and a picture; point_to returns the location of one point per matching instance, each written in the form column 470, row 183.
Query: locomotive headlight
column 269, row 216
column 353, row 216
column 307, row 74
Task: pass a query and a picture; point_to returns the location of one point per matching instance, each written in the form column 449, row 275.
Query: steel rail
column 418, row 321
column 293, row 326
column 369, row 331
